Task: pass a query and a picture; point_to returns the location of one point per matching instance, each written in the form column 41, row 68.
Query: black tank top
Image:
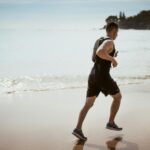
column 101, row 66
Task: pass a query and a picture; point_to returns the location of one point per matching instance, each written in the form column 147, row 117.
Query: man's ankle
column 78, row 129
column 111, row 122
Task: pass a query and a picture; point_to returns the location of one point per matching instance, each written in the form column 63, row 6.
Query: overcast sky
column 64, row 1
column 64, row 13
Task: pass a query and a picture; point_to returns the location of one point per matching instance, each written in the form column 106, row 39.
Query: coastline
column 45, row 120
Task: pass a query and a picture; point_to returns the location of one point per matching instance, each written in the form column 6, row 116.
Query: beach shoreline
column 45, row 120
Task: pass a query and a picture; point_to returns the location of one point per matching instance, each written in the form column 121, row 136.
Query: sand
column 45, row 120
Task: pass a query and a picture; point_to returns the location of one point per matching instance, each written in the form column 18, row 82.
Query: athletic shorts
column 107, row 86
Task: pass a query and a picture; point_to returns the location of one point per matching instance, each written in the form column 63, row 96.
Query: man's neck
column 109, row 36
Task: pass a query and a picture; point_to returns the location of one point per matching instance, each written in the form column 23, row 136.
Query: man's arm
column 103, row 52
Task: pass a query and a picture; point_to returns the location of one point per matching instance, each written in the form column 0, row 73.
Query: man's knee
column 117, row 96
column 90, row 101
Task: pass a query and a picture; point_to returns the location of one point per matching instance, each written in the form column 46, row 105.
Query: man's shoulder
column 108, row 42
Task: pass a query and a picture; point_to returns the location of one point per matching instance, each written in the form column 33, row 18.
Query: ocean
column 35, row 60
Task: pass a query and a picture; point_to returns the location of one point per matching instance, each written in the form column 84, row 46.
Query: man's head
column 112, row 30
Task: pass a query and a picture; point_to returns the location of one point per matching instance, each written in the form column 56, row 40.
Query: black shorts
column 106, row 85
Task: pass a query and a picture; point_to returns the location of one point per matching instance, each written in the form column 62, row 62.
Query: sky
column 56, row 14
column 65, row 1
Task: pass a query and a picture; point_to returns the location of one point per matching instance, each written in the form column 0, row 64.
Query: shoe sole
column 113, row 129
column 78, row 136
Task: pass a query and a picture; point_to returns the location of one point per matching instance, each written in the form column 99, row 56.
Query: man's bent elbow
column 100, row 54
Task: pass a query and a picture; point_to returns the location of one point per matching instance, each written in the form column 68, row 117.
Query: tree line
column 139, row 21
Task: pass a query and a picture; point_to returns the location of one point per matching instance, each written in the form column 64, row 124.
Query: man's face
column 114, row 33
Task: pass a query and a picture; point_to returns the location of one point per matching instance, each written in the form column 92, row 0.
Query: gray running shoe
column 113, row 127
column 79, row 134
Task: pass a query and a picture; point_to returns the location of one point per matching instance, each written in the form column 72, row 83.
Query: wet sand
column 45, row 120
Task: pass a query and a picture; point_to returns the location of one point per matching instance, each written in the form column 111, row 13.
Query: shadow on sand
column 110, row 145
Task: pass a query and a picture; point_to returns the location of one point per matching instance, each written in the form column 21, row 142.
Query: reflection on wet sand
column 79, row 145
column 110, row 145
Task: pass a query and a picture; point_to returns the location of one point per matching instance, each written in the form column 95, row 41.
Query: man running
column 100, row 80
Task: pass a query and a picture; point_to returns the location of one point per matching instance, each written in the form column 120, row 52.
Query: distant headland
column 139, row 21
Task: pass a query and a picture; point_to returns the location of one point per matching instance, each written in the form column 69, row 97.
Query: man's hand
column 116, row 54
column 114, row 63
